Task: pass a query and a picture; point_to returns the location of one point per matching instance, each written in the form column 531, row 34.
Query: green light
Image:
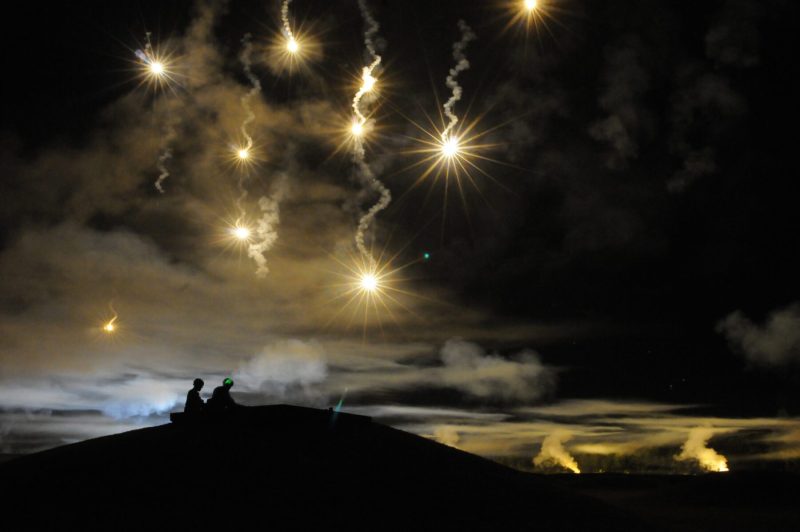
column 426, row 256
column 228, row 382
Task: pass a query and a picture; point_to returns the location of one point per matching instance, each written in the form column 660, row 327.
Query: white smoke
column 283, row 366
column 553, row 452
column 287, row 28
column 365, row 173
column 696, row 448
column 775, row 342
column 265, row 233
column 245, row 58
column 462, row 64
column 250, row 116
column 166, row 150
column 468, row 367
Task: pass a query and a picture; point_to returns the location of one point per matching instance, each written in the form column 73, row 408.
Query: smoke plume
column 696, row 448
column 265, row 233
column 776, row 342
column 553, row 452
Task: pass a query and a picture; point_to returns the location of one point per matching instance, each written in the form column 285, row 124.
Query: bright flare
column 292, row 46
column 243, row 154
column 357, row 129
column 450, row 147
column 241, row 233
column 157, row 68
column 369, row 82
column 369, row 283
column 530, row 5
column 109, row 327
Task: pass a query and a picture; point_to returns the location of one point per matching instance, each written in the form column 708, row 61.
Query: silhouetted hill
column 284, row 467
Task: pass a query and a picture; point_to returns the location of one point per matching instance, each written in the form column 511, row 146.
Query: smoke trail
column 166, row 151
column 245, row 58
column 367, row 78
column 365, row 173
column 287, row 29
column 553, row 452
column 696, row 448
column 265, row 234
column 462, row 64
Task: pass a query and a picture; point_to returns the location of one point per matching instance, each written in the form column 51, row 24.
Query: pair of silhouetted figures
column 220, row 400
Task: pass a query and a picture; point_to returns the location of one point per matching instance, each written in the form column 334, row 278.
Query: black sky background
column 572, row 233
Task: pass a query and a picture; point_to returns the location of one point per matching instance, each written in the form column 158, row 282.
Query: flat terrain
column 712, row 502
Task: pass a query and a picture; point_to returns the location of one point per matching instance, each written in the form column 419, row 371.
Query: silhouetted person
column 194, row 404
column 221, row 399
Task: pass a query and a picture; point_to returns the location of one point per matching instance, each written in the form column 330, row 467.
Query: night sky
column 611, row 261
